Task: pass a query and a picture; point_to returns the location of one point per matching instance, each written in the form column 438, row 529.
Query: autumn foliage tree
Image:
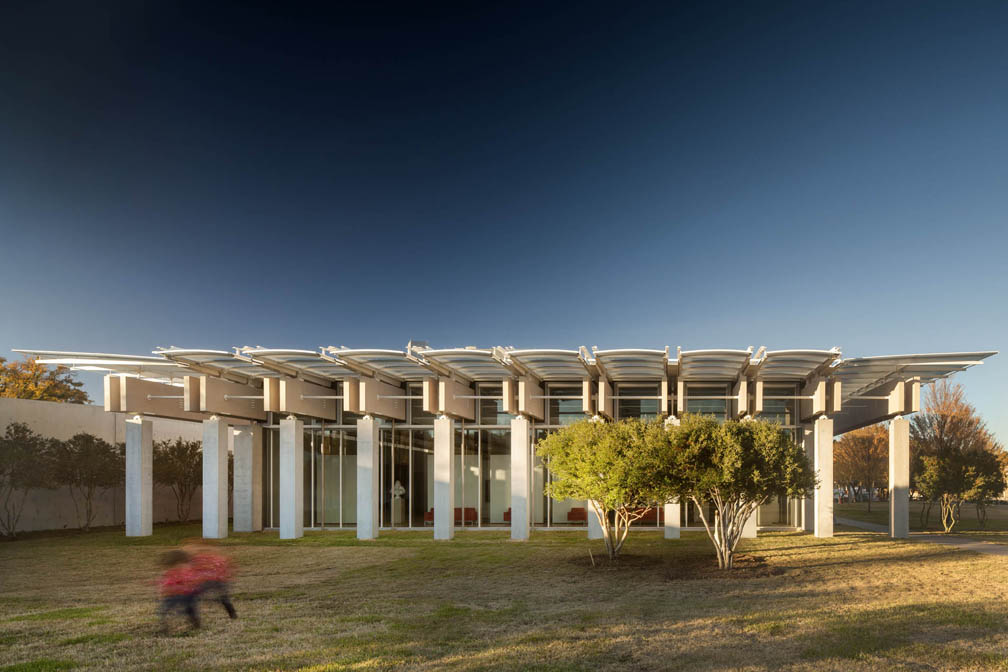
column 30, row 380
column 861, row 459
column 954, row 458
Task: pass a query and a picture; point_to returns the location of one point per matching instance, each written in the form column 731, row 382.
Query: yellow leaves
column 30, row 380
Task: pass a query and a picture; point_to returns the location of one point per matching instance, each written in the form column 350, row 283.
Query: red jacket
column 179, row 580
column 210, row 567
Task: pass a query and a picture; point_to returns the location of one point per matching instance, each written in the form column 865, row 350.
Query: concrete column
column 520, row 499
column 368, row 487
column 749, row 529
column 823, row 498
column 899, row 478
column 248, row 479
column 215, row 473
column 444, row 478
column 672, row 519
column 291, row 477
column 807, row 505
column 594, row 527
column 139, row 477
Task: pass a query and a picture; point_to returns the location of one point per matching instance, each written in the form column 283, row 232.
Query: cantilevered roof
column 471, row 363
column 793, row 364
column 308, row 364
column 702, row 365
column 861, row 375
column 632, row 365
column 552, row 365
column 157, row 369
column 394, row 364
column 223, row 363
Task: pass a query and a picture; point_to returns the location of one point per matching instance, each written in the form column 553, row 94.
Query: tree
column 178, row 464
column 616, row 467
column 735, row 466
column 31, row 380
column 955, row 458
column 23, row 467
column 861, row 459
column 86, row 464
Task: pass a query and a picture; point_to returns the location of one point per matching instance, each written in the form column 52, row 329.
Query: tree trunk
column 871, row 489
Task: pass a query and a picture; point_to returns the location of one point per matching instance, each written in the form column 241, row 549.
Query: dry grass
column 327, row 602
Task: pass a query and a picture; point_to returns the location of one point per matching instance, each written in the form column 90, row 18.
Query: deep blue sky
column 803, row 175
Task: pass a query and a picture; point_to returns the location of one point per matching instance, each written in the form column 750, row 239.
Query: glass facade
column 707, row 400
column 638, row 401
column 482, row 460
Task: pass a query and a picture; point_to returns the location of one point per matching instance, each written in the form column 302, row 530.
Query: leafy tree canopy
column 735, row 466
column 615, row 467
column 30, row 380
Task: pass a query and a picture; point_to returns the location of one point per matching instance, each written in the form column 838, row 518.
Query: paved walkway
column 962, row 543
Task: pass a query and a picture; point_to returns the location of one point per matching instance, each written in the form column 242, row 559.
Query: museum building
column 423, row 438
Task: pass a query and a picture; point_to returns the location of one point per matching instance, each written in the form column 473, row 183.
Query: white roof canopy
column 552, row 365
column 222, row 363
column 157, row 369
column 470, row 363
column 701, row 365
column 307, row 364
column 861, row 375
column 793, row 364
column 632, row 365
column 394, row 364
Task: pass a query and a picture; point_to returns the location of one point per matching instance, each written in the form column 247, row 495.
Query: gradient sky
column 788, row 175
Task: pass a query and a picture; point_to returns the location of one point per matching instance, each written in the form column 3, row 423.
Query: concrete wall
column 54, row 509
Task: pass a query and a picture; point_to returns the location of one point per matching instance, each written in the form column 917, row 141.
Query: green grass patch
column 41, row 665
column 67, row 613
column 96, row 638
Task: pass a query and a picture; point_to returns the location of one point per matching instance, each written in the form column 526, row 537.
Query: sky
column 703, row 175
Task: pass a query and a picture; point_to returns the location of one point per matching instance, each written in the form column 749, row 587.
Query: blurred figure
column 179, row 588
column 214, row 572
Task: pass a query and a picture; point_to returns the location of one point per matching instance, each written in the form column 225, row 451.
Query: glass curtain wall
column 707, row 400
column 406, row 453
column 406, row 456
column 330, row 472
column 780, row 406
column 642, row 401
column 482, row 463
column 563, row 406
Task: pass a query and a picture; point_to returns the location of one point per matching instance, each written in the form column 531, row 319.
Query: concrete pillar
column 672, row 519
column 215, row 483
column 823, row 497
column 248, row 479
column 291, row 478
column 139, row 477
column 807, row 506
column 749, row 529
column 368, row 487
column 899, row 478
column 444, row 477
column 594, row 527
column 520, row 499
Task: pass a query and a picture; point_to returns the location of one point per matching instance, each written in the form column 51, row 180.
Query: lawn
column 997, row 516
column 858, row 601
